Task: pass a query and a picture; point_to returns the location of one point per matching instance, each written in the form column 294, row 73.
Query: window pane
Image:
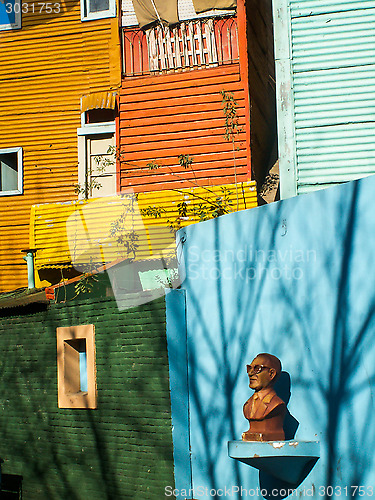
column 105, row 180
column 83, row 365
column 99, row 115
column 9, row 172
column 7, row 18
column 98, row 5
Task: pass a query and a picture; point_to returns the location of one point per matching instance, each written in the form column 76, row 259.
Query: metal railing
column 192, row 44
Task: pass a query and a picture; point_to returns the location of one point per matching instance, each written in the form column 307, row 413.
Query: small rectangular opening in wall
column 76, row 367
column 82, row 365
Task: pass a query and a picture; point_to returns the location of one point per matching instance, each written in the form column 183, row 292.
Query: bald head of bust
column 263, row 371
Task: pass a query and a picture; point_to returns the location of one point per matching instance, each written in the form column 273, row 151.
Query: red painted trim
column 244, row 72
column 50, row 293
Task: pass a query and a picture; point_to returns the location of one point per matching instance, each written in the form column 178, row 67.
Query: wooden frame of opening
column 68, row 367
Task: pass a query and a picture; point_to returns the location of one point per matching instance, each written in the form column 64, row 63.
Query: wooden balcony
column 199, row 43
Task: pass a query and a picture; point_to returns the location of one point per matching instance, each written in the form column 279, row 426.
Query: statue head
column 263, row 371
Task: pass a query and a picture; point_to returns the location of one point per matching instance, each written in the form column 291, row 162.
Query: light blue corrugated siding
column 333, row 73
column 314, row 7
column 333, row 40
column 333, row 97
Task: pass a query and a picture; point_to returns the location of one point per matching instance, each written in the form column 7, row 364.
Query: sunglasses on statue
column 256, row 368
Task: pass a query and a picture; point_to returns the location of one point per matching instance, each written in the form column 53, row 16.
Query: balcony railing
column 191, row 44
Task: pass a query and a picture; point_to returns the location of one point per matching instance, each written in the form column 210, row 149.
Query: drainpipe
column 29, row 258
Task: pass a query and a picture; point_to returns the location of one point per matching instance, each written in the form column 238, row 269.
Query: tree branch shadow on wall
column 297, row 309
column 346, row 425
column 230, row 364
column 64, row 453
column 27, row 431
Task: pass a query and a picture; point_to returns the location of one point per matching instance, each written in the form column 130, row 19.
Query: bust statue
column 265, row 411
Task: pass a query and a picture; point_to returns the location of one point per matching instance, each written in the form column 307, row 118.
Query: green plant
column 221, row 206
column 152, row 211
column 102, row 163
column 86, row 283
column 232, row 128
column 194, row 206
column 87, row 188
column 182, row 211
column 170, row 280
column 125, row 237
column 209, row 205
column 153, row 165
column 185, row 160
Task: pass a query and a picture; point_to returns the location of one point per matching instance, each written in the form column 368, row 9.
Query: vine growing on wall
column 122, row 228
column 232, row 128
column 205, row 207
column 231, row 131
column 208, row 205
column 102, row 163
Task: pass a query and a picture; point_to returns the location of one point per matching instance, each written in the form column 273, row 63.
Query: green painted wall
column 121, row 450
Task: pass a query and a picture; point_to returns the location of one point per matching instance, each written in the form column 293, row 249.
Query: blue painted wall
column 296, row 279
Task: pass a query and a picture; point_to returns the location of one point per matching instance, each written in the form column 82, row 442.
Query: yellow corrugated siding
column 86, row 225
column 98, row 100
column 45, row 69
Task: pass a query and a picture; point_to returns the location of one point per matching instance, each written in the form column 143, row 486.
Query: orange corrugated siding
column 45, row 68
column 182, row 113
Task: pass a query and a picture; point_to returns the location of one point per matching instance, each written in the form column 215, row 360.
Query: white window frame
column 104, row 14
column 87, row 129
column 18, row 22
column 19, row 189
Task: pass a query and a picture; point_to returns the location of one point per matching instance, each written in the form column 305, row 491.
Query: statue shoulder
column 273, row 401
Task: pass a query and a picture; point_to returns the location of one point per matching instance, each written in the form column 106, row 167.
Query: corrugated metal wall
column 164, row 116
column 44, row 70
column 333, row 96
